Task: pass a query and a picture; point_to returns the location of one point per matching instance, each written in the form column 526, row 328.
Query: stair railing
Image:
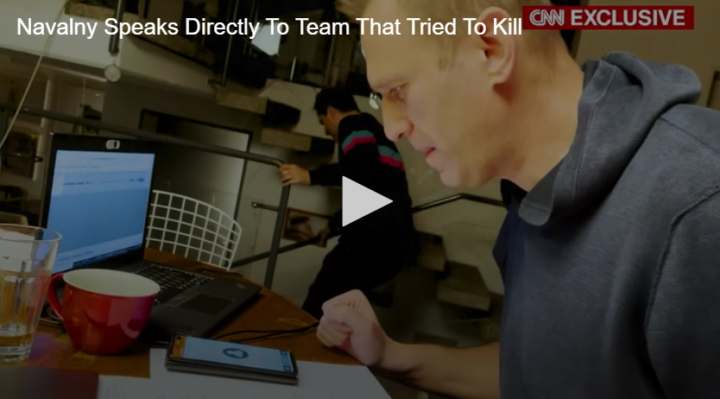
column 314, row 240
column 281, row 208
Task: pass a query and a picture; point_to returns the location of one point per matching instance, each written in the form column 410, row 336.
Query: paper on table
column 317, row 381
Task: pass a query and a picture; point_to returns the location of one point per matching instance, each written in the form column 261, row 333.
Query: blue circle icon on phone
column 235, row 353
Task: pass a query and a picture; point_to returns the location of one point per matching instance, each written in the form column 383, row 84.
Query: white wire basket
column 182, row 225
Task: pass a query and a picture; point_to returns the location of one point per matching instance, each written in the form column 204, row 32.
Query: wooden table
column 52, row 348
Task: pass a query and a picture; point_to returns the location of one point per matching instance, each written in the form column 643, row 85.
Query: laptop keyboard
column 171, row 281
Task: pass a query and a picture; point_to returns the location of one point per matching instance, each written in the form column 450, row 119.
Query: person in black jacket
column 372, row 250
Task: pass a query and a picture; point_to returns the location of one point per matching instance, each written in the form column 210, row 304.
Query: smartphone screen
column 232, row 354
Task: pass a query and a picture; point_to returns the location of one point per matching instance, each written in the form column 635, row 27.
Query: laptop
column 97, row 195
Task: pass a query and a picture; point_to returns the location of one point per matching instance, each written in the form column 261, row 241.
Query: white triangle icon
column 359, row 201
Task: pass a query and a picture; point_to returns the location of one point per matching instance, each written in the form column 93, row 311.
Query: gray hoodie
column 611, row 263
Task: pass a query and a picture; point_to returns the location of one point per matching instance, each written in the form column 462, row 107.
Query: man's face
column 328, row 122
column 453, row 116
column 324, row 122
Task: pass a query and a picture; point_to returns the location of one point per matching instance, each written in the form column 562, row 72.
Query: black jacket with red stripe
column 369, row 158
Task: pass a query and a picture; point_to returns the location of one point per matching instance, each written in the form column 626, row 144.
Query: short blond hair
column 447, row 10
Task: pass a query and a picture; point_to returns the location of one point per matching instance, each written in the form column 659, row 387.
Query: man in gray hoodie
column 610, row 252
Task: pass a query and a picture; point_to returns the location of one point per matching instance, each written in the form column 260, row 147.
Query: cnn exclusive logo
column 609, row 17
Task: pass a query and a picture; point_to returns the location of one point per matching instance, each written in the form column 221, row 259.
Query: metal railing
column 5, row 109
column 281, row 208
column 416, row 209
column 114, row 45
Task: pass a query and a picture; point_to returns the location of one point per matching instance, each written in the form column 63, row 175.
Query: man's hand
column 350, row 324
column 293, row 174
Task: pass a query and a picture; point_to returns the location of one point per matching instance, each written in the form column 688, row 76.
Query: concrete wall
column 136, row 57
column 77, row 49
column 48, row 91
column 12, row 88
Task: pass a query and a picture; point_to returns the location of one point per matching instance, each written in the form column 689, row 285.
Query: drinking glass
column 27, row 257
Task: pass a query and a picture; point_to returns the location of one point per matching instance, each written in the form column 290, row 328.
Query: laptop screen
column 99, row 203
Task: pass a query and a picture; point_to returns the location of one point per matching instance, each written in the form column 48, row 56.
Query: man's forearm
column 471, row 373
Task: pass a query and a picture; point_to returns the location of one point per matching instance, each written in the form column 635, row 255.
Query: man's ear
column 330, row 113
column 500, row 48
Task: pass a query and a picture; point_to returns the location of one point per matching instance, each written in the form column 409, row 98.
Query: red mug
column 103, row 311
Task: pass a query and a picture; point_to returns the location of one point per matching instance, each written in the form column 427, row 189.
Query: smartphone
column 227, row 359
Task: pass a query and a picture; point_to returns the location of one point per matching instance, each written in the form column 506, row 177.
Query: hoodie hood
column 622, row 98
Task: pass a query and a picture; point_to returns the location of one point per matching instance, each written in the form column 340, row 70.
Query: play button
column 359, row 201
